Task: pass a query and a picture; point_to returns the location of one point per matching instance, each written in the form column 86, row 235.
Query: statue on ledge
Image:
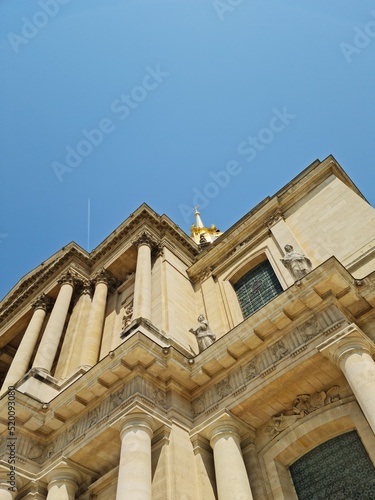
column 297, row 263
column 203, row 333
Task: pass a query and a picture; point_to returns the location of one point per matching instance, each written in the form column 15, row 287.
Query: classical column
column 142, row 286
column 231, row 475
column 50, row 341
column 134, row 476
column 71, row 349
column 94, row 329
column 22, row 358
column 5, row 493
column 350, row 349
column 63, row 483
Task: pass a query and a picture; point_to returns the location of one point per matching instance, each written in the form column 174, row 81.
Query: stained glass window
column 256, row 288
column 339, row 469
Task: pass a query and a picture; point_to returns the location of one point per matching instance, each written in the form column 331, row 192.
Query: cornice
column 36, row 280
column 258, row 221
column 142, row 218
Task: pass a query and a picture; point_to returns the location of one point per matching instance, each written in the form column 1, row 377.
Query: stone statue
column 205, row 337
column 297, row 263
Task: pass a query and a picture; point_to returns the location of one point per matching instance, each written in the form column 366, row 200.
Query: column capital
column 146, row 238
column 223, row 423
column 68, row 278
column 138, row 420
column 86, row 287
column 104, row 276
column 43, row 302
column 348, row 341
column 63, row 474
column 224, row 430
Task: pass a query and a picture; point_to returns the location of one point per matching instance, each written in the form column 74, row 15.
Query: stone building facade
column 111, row 388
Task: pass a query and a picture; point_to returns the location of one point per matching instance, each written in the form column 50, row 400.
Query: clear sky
column 111, row 103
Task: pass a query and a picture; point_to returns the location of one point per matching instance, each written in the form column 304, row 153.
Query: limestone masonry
column 231, row 366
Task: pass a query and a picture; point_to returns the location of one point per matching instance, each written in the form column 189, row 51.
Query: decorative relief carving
column 302, row 406
column 127, row 317
column 117, row 398
column 274, row 218
column 159, row 398
column 252, row 370
column 35, row 452
column 292, row 344
column 279, row 350
column 92, row 418
column 223, row 388
column 205, row 274
column 158, row 250
column 310, row 329
column 198, row 405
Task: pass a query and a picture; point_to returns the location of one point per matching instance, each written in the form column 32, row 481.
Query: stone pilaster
column 134, row 477
column 26, row 348
column 350, row 349
column 231, row 475
column 142, row 287
column 50, row 341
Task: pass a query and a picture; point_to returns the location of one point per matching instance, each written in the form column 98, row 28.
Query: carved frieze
column 279, row 350
column 264, row 364
column 224, row 388
column 198, row 405
column 159, row 398
column 310, row 329
column 145, row 390
column 252, row 370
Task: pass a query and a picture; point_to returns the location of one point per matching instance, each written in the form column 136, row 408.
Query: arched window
column 337, row 469
column 256, row 288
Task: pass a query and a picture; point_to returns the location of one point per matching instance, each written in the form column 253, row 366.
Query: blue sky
column 127, row 101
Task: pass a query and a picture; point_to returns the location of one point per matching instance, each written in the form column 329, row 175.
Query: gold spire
column 203, row 235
